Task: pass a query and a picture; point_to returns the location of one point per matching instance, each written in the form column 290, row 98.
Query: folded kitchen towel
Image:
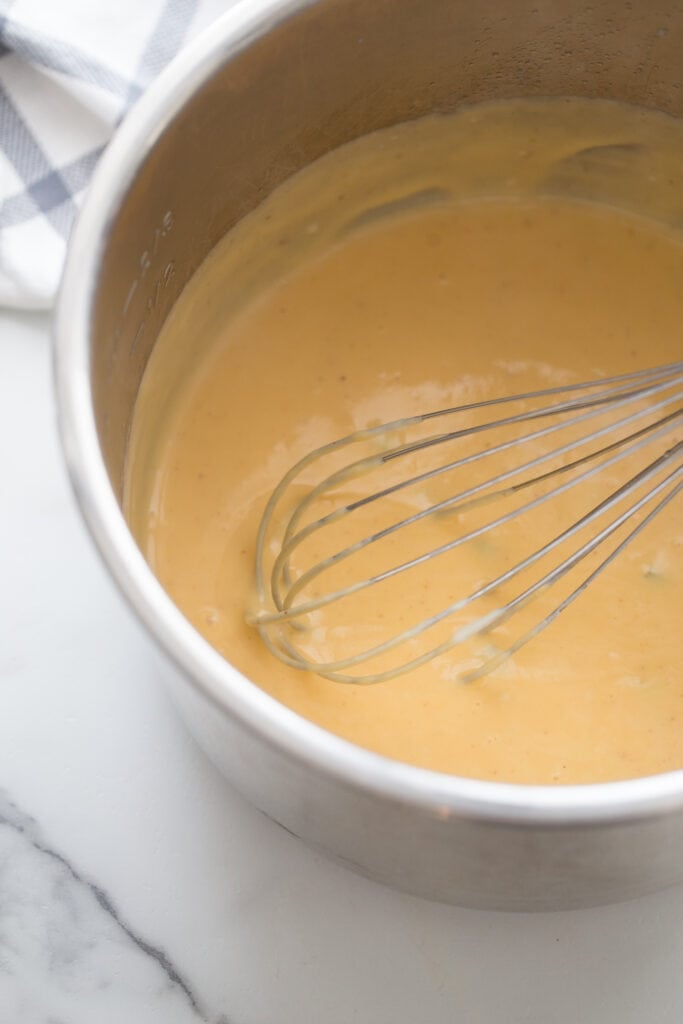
column 69, row 71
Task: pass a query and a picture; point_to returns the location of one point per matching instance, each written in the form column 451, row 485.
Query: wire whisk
column 477, row 524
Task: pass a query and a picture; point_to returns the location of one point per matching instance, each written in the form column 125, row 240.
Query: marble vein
column 66, row 952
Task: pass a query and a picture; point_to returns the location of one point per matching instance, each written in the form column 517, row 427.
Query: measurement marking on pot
column 129, row 297
column 155, row 289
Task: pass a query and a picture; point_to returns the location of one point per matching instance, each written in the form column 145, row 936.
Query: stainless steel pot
column 272, row 86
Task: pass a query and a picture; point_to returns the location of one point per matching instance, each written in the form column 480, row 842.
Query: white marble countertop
column 137, row 887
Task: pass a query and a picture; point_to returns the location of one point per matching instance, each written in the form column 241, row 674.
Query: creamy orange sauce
column 441, row 303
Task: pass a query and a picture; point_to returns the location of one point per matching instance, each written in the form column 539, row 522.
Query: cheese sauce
column 492, row 275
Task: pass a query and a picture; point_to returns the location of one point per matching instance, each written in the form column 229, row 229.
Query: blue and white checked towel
column 69, row 71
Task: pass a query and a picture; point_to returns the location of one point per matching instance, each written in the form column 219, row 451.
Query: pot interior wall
column 312, row 79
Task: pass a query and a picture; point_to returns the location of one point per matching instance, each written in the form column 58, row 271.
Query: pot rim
column 432, row 793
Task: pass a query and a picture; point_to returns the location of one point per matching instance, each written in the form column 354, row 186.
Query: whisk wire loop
column 285, row 594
